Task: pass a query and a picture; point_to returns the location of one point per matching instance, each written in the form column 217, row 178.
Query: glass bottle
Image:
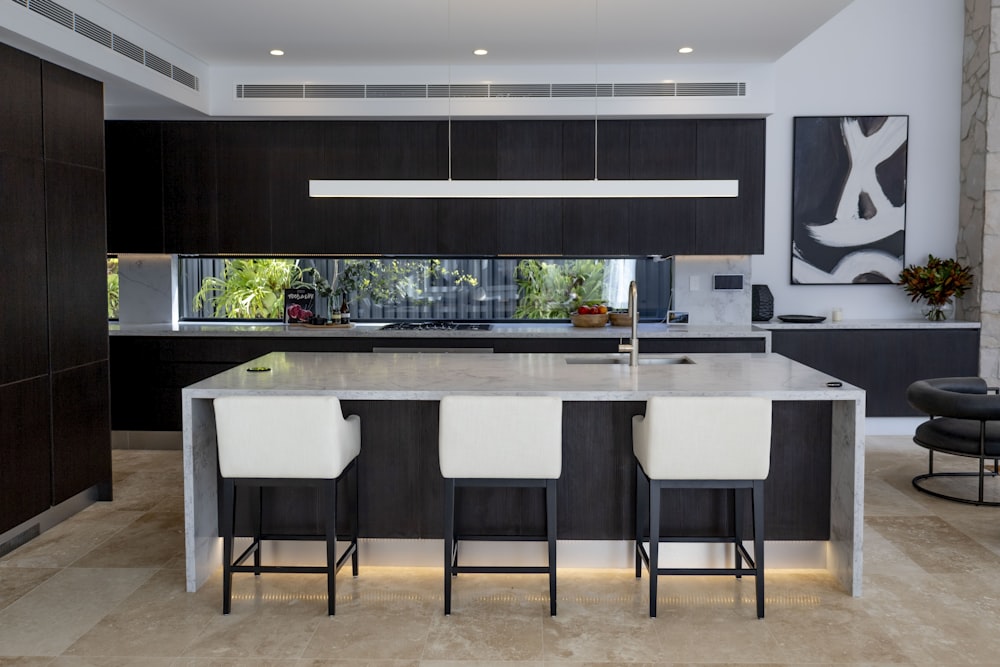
column 345, row 311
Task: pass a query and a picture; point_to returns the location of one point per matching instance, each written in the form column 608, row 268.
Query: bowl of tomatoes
column 590, row 316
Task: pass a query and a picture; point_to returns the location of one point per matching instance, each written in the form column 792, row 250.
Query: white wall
column 877, row 57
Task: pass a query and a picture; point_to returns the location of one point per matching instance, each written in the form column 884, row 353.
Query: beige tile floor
column 107, row 588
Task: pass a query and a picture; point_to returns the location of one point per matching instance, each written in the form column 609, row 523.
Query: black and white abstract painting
column 848, row 199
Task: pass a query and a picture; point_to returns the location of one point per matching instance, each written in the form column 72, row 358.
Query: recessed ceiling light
column 277, row 52
column 480, row 52
column 685, row 49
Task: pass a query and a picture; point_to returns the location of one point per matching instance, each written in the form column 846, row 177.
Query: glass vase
column 938, row 312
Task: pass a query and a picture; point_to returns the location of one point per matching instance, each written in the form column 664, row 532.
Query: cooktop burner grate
column 438, row 325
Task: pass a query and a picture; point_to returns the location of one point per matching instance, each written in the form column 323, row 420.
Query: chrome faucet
column 632, row 347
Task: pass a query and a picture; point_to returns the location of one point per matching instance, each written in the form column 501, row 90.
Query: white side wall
column 877, row 57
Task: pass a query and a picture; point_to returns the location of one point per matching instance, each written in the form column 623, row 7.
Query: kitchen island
column 818, row 437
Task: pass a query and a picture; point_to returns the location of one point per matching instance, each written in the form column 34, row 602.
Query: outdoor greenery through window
column 112, row 288
column 385, row 289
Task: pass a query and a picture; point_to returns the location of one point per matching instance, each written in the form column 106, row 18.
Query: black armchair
column 965, row 421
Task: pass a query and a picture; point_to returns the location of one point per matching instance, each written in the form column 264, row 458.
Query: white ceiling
column 516, row 32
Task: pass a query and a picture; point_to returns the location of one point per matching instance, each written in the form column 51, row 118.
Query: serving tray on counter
column 802, row 319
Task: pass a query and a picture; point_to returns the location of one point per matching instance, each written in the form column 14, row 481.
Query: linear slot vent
column 334, row 91
column 98, row 33
column 409, row 91
column 521, row 90
column 88, row 28
column 506, row 90
column 52, row 11
column 157, row 63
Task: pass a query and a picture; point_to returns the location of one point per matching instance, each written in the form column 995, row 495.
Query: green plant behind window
column 113, row 298
column 554, row 290
column 250, row 288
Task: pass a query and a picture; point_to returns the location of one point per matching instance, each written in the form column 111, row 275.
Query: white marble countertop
column 499, row 330
column 429, row 376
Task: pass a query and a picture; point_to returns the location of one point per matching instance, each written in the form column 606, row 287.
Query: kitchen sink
column 623, row 360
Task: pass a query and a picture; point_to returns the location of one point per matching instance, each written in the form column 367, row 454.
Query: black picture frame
column 848, row 199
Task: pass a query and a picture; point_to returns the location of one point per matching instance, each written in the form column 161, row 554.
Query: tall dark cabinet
column 54, row 407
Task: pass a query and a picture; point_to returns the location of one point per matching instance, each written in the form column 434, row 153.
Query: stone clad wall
column 978, row 242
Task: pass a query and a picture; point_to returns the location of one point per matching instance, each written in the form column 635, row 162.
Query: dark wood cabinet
column 73, row 117
column 190, row 188
column 25, row 490
column 242, row 187
column 884, row 362
column 77, row 303
column 134, row 177
column 23, row 324
column 732, row 149
column 81, row 431
column 21, row 103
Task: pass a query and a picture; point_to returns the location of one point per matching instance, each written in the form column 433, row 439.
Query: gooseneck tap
column 632, row 347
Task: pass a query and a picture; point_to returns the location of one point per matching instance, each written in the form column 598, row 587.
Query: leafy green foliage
column 384, row 281
column 554, row 290
column 113, row 295
column 250, row 288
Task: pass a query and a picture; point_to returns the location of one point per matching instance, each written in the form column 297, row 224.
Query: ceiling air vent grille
column 711, row 89
column 409, row 91
column 88, row 28
column 52, row 11
column 334, row 91
column 98, row 33
column 497, row 90
column 582, row 90
column 520, row 90
column 158, row 64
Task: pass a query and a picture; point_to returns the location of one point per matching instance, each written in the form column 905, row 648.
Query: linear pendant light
column 534, row 189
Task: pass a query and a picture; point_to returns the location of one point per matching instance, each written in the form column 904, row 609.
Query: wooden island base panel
column 814, row 492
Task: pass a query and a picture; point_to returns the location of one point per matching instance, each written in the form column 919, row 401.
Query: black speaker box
column 761, row 303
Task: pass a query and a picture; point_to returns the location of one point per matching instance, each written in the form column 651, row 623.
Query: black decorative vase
column 761, row 303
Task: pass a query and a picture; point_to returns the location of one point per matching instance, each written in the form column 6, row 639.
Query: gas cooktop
column 438, row 325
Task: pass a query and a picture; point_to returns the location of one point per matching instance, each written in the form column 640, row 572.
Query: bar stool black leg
column 738, row 528
column 356, row 521
column 256, row 505
column 654, row 542
column 330, row 496
column 550, row 531
column 229, row 519
column 449, row 540
column 758, row 543
column 641, row 516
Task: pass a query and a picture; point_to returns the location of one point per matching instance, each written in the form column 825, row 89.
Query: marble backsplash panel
column 694, row 292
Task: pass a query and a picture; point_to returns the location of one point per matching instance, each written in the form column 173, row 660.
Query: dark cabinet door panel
column 301, row 224
column 529, row 227
column 529, row 149
column 473, row 149
column 732, row 149
column 661, row 149
column 244, row 208
column 134, row 186
column 578, row 149
column 25, row 475
column 595, row 227
column 73, row 117
column 81, row 430
column 24, row 352
column 662, row 226
column 77, row 303
column 21, row 103
column 190, row 185
column 412, row 150
column 884, row 362
column 408, row 226
column 467, row 226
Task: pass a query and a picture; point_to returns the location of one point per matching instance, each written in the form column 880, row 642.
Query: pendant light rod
column 534, row 189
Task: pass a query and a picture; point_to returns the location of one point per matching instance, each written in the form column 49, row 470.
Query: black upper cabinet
column 662, row 150
column 244, row 191
column 21, row 103
column 134, row 178
column 73, row 117
column 242, row 186
column 190, row 185
column 732, row 149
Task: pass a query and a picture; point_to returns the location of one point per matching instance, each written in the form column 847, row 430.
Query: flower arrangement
column 936, row 283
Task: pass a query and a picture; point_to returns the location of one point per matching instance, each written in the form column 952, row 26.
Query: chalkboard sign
column 300, row 304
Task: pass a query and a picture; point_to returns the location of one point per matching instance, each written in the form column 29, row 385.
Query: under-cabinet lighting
column 575, row 189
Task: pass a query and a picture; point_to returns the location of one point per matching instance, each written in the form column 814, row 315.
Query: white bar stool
column 499, row 441
column 702, row 442
column 285, row 441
